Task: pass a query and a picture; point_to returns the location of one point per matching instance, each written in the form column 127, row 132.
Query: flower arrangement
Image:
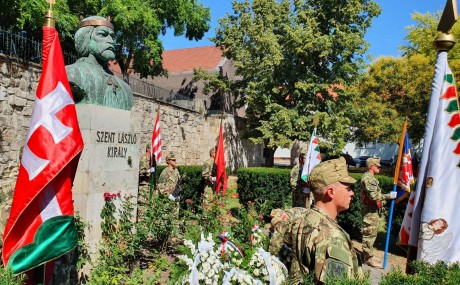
column 257, row 236
column 205, row 264
column 267, row 267
column 209, row 263
column 230, row 252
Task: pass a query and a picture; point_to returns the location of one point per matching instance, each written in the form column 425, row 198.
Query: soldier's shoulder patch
column 336, row 269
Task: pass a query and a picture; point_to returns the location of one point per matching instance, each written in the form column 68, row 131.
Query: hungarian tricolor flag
column 219, row 161
column 313, row 156
column 435, row 226
column 41, row 225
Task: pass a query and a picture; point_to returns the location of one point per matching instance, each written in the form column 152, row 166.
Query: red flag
column 41, row 225
column 156, row 140
column 219, row 160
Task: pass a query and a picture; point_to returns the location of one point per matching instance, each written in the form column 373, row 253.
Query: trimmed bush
column 192, row 184
column 267, row 187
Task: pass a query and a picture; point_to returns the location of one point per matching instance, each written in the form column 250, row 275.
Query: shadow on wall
column 239, row 148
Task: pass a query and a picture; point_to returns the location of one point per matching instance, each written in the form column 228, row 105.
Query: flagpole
column 50, row 22
column 395, row 184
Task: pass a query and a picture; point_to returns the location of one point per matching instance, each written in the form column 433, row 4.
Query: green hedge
column 267, row 187
column 192, row 183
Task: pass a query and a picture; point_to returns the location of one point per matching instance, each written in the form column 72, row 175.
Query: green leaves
column 291, row 56
column 138, row 25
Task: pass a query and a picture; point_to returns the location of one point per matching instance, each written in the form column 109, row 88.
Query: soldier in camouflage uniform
column 299, row 197
column 169, row 180
column 281, row 227
column 208, row 175
column 322, row 247
column 372, row 209
column 145, row 170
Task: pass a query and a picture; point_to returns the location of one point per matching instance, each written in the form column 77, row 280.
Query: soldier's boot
column 374, row 262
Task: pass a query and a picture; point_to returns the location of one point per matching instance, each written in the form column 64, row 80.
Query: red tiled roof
column 189, row 58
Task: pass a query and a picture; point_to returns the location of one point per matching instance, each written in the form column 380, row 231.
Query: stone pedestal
column 109, row 162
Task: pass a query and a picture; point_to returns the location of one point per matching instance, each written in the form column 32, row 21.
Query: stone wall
column 189, row 134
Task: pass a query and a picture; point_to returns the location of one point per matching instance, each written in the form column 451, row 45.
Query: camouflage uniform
column 169, row 181
column 324, row 247
column 207, row 176
column 144, row 185
column 282, row 226
column 299, row 198
column 373, row 200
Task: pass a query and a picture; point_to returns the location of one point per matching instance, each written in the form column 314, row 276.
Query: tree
column 421, row 35
column 392, row 86
column 293, row 59
column 138, row 25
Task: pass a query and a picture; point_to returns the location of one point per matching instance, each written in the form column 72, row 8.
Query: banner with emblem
column 41, row 225
column 435, row 227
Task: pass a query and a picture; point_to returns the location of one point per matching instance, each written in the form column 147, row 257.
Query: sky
column 385, row 36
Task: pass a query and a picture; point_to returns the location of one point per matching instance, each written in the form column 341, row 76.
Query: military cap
column 277, row 215
column 373, row 161
column 170, row 156
column 328, row 172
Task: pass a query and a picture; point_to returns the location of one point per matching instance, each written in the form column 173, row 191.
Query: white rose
column 256, row 272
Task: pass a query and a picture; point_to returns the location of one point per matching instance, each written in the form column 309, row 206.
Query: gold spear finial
column 50, row 20
column 446, row 41
column 221, row 117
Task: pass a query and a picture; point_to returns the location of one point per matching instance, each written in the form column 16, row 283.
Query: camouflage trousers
column 369, row 231
column 208, row 192
column 299, row 198
column 143, row 199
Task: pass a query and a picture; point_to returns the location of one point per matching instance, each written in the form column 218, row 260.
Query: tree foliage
column 393, row 86
column 293, row 58
column 138, row 24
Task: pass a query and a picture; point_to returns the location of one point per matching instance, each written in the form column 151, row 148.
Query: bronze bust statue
column 90, row 79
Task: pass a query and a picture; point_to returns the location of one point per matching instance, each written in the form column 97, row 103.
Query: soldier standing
column 145, row 170
column 372, row 209
column 281, row 226
column 321, row 245
column 209, row 175
column 169, row 180
column 299, row 196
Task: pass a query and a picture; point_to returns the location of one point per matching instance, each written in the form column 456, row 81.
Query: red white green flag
column 313, row 156
column 41, row 225
column 435, row 226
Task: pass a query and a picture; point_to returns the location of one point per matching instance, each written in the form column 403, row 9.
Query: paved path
column 375, row 273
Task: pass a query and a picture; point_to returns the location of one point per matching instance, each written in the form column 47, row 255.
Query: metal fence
column 22, row 47
column 153, row 91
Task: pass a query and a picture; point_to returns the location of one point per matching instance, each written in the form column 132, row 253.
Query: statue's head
column 95, row 36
